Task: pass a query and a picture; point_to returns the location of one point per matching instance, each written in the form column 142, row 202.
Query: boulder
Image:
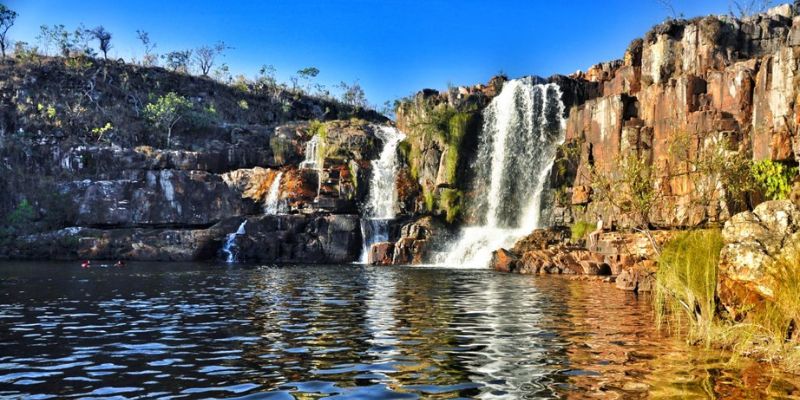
column 504, row 261
column 381, row 254
column 753, row 241
column 639, row 278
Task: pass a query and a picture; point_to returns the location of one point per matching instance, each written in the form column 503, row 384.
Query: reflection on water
column 199, row 331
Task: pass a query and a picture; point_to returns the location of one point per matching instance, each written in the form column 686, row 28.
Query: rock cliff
column 71, row 190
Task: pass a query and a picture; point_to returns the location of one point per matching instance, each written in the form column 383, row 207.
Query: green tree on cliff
column 7, row 18
column 166, row 111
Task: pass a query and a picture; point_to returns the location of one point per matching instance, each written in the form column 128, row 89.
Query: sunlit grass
column 685, row 300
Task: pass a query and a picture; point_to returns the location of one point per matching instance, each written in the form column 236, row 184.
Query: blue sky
column 394, row 48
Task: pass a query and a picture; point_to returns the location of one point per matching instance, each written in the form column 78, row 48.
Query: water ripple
column 200, row 331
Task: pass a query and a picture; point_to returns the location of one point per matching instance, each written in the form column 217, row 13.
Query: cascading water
column 312, row 154
column 229, row 248
column 380, row 207
column 272, row 204
column 312, row 160
column 522, row 128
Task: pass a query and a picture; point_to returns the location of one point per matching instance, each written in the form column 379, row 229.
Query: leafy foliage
column 774, row 178
column 166, row 111
column 7, row 18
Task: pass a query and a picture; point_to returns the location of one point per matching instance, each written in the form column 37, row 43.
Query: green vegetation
column 17, row 222
column 101, row 131
column 631, row 191
column 774, row 178
column 687, row 280
column 685, row 298
column 450, row 202
column 430, row 200
column 166, row 111
column 7, row 18
column 580, row 229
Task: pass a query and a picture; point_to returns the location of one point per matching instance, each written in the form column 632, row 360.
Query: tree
column 747, row 8
column 353, row 94
column 7, row 18
column 57, row 36
column 166, row 111
column 103, row 38
column 178, row 61
column 205, row 56
column 307, row 74
column 149, row 58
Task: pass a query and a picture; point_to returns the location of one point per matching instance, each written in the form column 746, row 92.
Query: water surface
column 200, row 331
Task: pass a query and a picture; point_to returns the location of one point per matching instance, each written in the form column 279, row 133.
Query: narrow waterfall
column 272, row 204
column 522, row 128
column 312, row 160
column 312, row 154
column 229, row 248
column 380, row 207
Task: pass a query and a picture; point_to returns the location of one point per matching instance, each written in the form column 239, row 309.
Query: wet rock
column 301, row 238
column 381, row 254
column 505, row 261
column 639, row 278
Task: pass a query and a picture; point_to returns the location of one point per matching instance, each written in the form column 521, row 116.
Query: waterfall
column 229, row 248
column 312, row 160
column 380, row 207
column 312, row 154
column 522, row 128
column 272, row 204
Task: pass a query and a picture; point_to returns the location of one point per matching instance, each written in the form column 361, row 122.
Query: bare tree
column 7, row 18
column 747, row 8
column 205, row 56
column 103, row 38
column 669, row 8
column 149, row 58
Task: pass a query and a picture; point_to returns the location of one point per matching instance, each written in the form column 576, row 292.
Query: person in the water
column 86, row 264
column 120, row 264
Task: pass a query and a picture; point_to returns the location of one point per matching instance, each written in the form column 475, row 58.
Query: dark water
column 200, row 331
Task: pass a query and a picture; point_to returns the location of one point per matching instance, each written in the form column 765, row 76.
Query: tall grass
column 687, row 282
column 685, row 299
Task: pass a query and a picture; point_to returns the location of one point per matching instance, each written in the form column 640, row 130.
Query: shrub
column 580, row 229
column 167, row 111
column 774, row 178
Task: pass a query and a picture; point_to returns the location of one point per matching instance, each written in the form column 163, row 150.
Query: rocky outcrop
column 699, row 82
column 628, row 258
column 68, row 193
column 300, row 238
column 418, row 243
column 754, row 241
column 156, row 198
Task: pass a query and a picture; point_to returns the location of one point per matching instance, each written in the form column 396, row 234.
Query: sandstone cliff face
column 705, row 80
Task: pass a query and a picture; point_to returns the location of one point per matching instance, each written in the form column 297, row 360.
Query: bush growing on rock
column 774, row 178
column 167, row 111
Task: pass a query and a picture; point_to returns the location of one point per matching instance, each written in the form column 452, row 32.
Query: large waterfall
column 380, row 207
column 522, row 128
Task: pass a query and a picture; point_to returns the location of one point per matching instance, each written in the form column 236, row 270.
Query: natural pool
column 201, row 330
